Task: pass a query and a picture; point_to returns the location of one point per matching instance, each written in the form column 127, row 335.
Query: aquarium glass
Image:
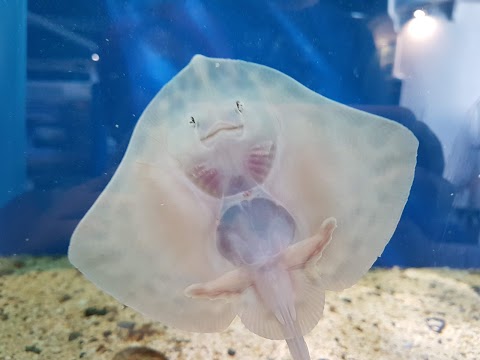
column 75, row 78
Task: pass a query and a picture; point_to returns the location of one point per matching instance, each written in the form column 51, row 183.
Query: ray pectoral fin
column 227, row 286
column 306, row 253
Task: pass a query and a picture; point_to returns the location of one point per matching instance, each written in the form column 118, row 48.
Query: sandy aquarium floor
column 49, row 311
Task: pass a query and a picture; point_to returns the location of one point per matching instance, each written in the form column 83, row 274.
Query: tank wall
column 12, row 94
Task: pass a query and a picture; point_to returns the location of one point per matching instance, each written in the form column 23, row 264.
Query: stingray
column 243, row 193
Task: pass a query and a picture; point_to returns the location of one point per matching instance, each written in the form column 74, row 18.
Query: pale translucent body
column 244, row 193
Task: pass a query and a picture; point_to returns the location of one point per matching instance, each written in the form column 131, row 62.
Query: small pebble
column 65, row 297
column 126, row 325
column 74, row 335
column 231, row 352
column 436, row 324
column 95, row 311
column 139, row 353
column 33, row 348
column 3, row 315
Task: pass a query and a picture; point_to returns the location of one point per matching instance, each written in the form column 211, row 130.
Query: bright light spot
column 419, row 13
column 357, row 15
column 95, row 57
column 422, row 27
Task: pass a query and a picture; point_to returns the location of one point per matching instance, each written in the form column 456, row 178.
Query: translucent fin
column 309, row 302
column 227, row 286
column 134, row 244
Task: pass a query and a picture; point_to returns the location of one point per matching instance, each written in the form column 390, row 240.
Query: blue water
column 93, row 66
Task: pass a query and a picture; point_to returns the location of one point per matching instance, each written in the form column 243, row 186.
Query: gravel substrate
column 49, row 311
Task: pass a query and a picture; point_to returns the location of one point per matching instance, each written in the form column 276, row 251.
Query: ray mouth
column 221, row 129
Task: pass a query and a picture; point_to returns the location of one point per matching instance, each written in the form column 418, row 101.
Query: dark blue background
column 80, row 112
